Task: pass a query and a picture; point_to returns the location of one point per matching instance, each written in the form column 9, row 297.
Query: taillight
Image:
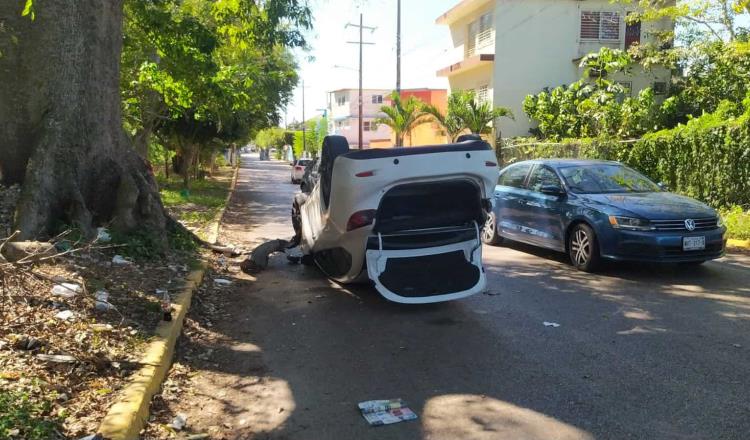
column 360, row 219
column 365, row 174
column 298, row 168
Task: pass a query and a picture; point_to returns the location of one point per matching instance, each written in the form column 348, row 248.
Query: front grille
column 701, row 224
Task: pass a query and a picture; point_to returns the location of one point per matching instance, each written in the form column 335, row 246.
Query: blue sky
column 423, row 47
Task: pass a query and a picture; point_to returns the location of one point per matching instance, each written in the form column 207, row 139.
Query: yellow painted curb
column 213, row 235
column 130, row 411
column 745, row 244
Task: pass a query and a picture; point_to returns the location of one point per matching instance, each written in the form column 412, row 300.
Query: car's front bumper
column 657, row 246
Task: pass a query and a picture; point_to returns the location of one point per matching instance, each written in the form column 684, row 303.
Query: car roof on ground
column 569, row 162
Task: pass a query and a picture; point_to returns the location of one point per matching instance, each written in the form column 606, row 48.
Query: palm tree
column 451, row 124
column 402, row 116
column 477, row 116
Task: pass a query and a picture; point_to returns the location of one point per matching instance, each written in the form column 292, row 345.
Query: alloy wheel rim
column 489, row 227
column 581, row 247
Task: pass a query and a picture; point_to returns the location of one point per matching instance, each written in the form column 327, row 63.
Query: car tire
column 489, row 231
column 583, row 248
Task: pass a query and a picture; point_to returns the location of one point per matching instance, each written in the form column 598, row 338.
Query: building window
column 480, row 34
column 632, row 32
column 598, row 25
column 377, row 99
column 627, row 89
column 483, row 94
column 660, row 88
column 341, row 100
column 369, row 126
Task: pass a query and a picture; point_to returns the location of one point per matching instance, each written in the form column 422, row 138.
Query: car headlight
column 630, row 223
column 719, row 221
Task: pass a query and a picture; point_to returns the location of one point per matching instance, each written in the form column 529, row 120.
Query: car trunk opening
column 429, row 205
column 448, row 272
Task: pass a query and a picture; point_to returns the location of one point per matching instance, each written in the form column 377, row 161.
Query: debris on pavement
column 57, row 358
column 179, row 422
column 66, row 290
column 258, row 259
column 551, row 324
column 385, row 412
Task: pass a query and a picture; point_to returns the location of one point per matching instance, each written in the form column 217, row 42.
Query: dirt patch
column 64, row 355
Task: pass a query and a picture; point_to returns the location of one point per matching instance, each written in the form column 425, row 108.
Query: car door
column 508, row 194
column 543, row 213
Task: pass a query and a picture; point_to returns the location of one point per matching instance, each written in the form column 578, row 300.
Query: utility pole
column 304, row 145
column 360, row 42
column 398, row 46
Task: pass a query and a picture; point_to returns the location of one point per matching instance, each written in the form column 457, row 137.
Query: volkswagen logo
column 690, row 224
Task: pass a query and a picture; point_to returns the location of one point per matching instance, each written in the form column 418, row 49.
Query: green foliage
column 28, row 10
column 402, row 116
column 477, row 116
column 273, row 137
column 737, row 221
column 18, row 411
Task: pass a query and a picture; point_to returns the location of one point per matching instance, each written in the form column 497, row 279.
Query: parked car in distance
column 595, row 210
column 310, row 177
column 298, row 169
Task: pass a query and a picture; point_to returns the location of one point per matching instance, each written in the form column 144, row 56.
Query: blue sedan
column 595, row 210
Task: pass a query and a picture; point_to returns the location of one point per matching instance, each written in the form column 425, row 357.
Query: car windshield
column 606, row 178
column 304, row 162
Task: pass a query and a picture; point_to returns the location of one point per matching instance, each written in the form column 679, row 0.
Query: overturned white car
column 409, row 219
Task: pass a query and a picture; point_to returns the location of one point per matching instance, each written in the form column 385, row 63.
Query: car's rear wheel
column 489, row 231
column 583, row 248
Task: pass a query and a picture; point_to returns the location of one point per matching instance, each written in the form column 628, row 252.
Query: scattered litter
column 66, row 290
column 385, row 412
column 103, row 235
column 160, row 292
column 320, row 296
column 119, row 259
column 65, row 315
column 101, row 327
column 57, row 358
column 102, row 301
column 179, row 422
column 166, row 306
column 222, row 281
column 737, row 345
column 551, row 324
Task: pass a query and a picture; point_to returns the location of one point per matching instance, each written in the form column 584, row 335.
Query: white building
column 505, row 50
column 343, row 115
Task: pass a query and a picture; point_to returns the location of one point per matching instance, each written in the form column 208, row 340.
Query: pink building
column 343, row 115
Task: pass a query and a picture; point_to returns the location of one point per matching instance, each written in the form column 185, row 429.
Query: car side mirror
column 552, row 190
column 663, row 186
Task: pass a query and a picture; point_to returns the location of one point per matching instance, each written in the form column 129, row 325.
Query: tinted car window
column 543, row 176
column 304, row 162
column 514, row 175
column 606, row 178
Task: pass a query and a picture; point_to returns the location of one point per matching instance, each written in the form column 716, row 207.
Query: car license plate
column 693, row 243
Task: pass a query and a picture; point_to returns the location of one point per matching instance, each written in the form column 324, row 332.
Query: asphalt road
column 641, row 352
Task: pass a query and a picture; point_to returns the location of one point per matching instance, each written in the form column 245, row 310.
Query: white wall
column 535, row 45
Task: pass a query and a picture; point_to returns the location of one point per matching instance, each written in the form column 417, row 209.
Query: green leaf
column 28, row 9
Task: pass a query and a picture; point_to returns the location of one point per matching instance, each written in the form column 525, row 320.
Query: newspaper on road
column 385, row 412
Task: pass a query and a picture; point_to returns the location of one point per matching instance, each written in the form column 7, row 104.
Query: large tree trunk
column 62, row 135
